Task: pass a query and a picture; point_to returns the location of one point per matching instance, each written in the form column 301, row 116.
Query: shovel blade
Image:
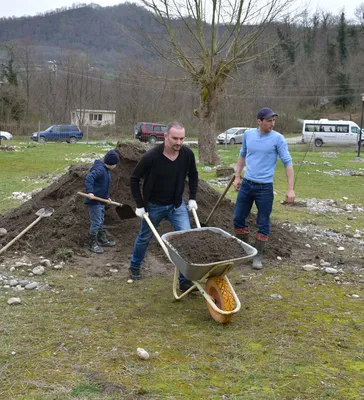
column 125, row 212
column 45, row 212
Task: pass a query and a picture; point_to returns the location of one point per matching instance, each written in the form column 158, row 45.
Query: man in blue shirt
column 259, row 153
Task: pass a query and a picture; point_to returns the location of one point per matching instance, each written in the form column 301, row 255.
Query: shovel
column 219, row 201
column 124, row 211
column 42, row 213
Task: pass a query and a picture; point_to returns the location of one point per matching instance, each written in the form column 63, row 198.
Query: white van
column 326, row 131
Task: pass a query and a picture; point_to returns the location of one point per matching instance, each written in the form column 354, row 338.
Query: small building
column 94, row 118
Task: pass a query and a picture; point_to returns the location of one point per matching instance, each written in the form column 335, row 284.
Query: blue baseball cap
column 266, row 113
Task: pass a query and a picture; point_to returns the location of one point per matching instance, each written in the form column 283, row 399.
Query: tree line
column 302, row 68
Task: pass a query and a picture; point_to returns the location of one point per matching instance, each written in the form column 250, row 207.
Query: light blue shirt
column 261, row 152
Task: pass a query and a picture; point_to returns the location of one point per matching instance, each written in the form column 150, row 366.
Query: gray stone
column 31, row 286
column 14, row 300
column 46, row 263
column 38, row 270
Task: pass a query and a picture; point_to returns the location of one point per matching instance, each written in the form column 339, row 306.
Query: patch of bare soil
column 66, row 231
column 7, row 148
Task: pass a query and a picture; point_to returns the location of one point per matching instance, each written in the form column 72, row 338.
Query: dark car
column 58, row 133
column 149, row 132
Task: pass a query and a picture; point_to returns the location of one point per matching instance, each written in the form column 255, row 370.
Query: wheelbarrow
column 222, row 301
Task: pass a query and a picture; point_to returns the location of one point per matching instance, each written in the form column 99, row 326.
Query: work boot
column 135, row 274
column 257, row 259
column 242, row 234
column 93, row 245
column 185, row 285
column 103, row 240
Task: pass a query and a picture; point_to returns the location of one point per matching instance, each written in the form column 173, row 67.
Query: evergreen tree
column 341, row 39
column 344, row 93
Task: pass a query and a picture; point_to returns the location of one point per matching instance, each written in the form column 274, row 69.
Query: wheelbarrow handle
column 99, row 199
column 197, row 221
column 156, row 234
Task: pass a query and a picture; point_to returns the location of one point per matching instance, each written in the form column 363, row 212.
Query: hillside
column 104, row 33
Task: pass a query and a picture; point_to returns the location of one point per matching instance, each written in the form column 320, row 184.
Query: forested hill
column 102, row 32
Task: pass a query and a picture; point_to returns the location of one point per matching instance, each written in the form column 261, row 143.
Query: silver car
column 232, row 136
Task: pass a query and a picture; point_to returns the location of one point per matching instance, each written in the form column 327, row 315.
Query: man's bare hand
column 290, row 196
column 237, row 183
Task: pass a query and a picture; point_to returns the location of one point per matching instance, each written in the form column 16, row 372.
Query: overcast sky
column 19, row 8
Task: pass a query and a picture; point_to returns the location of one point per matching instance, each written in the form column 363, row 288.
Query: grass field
column 78, row 338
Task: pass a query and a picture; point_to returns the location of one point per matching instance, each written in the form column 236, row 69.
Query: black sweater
column 146, row 168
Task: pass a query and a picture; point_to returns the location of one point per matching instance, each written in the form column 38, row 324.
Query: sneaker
column 103, row 240
column 135, row 274
column 185, row 285
column 94, row 246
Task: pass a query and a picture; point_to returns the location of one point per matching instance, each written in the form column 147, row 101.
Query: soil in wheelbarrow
column 206, row 246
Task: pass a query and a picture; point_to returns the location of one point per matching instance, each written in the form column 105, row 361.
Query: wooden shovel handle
column 220, row 198
column 21, row 234
column 99, row 199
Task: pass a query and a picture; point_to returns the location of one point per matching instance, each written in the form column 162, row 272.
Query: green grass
column 82, row 342
column 34, row 165
column 78, row 338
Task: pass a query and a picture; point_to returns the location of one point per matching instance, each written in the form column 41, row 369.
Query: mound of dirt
column 67, row 229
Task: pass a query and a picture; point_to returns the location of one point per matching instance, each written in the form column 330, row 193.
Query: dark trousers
column 262, row 195
column 96, row 213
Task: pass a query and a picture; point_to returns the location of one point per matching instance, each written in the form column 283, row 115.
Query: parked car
column 232, row 136
column 149, row 132
column 58, row 133
column 5, row 135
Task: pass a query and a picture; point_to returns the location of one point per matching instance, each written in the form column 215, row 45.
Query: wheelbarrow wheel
column 220, row 291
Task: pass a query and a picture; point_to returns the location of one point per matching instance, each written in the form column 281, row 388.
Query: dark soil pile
column 67, row 229
column 206, row 246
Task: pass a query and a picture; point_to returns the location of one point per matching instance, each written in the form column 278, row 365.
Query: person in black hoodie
column 164, row 170
column 97, row 183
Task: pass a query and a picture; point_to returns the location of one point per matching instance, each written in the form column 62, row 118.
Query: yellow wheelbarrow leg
column 176, row 284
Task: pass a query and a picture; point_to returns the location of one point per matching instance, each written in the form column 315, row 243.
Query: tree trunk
column 207, row 115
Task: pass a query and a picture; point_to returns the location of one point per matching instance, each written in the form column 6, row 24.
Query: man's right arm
column 135, row 178
column 239, row 169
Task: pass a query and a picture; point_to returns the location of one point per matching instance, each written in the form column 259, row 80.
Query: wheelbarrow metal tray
column 194, row 272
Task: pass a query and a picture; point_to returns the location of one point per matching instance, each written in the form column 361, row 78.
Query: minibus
column 325, row 131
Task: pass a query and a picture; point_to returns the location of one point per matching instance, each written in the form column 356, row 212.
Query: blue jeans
column 262, row 195
column 96, row 213
column 178, row 217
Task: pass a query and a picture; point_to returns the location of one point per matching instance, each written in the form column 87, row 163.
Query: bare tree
column 208, row 40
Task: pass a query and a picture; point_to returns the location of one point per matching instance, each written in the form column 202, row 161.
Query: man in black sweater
column 164, row 170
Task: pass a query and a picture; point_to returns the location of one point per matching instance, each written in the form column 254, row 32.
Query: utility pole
column 361, row 123
column 53, row 67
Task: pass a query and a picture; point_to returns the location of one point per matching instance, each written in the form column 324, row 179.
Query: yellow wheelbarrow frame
column 201, row 272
